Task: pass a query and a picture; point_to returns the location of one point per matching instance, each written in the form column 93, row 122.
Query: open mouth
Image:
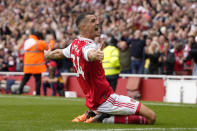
column 96, row 29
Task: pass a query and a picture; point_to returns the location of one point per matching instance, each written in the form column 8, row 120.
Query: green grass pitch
column 31, row 113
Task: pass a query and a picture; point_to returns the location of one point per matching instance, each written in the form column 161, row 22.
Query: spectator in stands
column 125, row 57
column 2, row 53
column 137, row 50
column 9, row 84
column 172, row 19
column 147, row 59
column 171, row 39
column 168, row 60
column 5, row 30
column 111, row 63
column 3, row 63
column 192, row 53
column 188, row 65
column 11, row 62
column 179, row 60
column 54, row 80
column 161, row 42
column 19, row 51
column 34, row 63
column 154, row 54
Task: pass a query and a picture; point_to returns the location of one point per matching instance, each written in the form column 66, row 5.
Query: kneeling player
column 119, row 109
column 86, row 56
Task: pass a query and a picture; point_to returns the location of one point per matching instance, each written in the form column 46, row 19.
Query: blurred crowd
column 153, row 36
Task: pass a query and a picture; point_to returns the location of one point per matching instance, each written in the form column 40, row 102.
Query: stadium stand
column 161, row 21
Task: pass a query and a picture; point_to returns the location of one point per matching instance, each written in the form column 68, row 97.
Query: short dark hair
column 38, row 34
column 81, row 17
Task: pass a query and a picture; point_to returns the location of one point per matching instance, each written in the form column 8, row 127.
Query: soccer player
column 86, row 56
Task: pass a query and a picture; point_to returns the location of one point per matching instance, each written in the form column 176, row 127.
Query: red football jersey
column 90, row 75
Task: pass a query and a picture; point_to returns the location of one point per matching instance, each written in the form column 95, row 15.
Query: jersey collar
column 85, row 39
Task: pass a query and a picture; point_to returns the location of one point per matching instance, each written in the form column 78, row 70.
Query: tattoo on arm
column 56, row 54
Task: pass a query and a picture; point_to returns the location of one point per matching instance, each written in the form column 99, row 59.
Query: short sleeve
column 66, row 51
column 87, row 48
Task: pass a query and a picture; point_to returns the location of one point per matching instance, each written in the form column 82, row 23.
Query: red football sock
column 128, row 119
column 137, row 119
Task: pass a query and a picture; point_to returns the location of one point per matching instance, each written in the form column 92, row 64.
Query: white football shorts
column 120, row 105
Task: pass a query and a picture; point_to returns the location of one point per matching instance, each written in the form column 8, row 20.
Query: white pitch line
column 170, row 104
column 42, row 97
column 138, row 129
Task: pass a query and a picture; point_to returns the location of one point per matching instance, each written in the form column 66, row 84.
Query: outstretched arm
column 55, row 54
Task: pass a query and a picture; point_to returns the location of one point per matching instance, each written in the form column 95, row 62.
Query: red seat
column 133, row 86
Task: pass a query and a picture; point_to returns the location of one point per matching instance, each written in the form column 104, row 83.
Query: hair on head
column 38, row 34
column 81, row 17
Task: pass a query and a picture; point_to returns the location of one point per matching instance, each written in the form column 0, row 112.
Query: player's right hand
column 47, row 52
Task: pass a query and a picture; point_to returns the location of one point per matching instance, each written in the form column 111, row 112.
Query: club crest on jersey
column 75, row 49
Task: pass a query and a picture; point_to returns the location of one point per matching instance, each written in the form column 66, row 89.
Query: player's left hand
column 100, row 54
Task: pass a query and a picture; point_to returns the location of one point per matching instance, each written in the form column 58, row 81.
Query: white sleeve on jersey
column 66, row 51
column 87, row 48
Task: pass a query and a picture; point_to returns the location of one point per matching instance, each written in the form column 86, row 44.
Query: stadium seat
column 133, row 87
column 14, row 87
